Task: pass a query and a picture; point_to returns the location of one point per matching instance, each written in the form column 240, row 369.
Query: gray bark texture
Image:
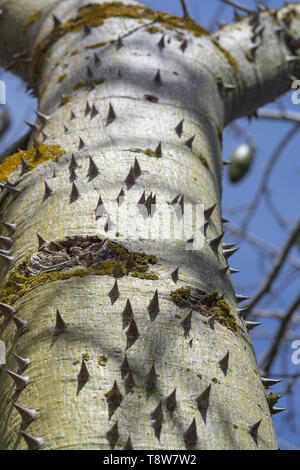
column 133, row 100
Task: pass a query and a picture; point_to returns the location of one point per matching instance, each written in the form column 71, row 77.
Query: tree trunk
column 150, row 344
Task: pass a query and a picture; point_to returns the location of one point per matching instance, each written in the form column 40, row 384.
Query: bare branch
column 268, row 358
column 239, row 6
column 278, row 114
column 265, row 286
column 185, row 12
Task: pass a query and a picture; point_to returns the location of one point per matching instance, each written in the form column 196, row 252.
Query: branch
column 265, row 286
column 185, row 12
column 268, row 358
column 239, row 6
column 260, row 243
column 266, row 174
column 278, row 114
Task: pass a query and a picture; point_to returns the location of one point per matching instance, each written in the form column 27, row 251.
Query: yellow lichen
column 102, row 361
column 96, row 81
column 61, row 78
column 33, row 156
column 220, row 134
column 151, row 153
column 153, row 30
column 95, row 14
column 208, row 304
column 98, row 44
column 233, row 62
column 86, row 356
column 32, row 19
column 203, row 160
column 151, row 276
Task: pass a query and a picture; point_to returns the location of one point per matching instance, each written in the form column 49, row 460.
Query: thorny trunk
column 121, row 82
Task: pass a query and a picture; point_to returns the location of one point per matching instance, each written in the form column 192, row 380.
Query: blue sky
column 284, row 185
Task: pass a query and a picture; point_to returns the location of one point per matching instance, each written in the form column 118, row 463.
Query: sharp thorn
column 174, row 274
column 7, row 311
column 113, row 435
column 20, row 380
column 93, row 171
column 214, row 243
column 83, row 375
column 60, row 325
column 33, row 443
column 153, row 307
column 228, row 253
column 189, row 142
column 171, row 401
column 241, row 298
column 114, row 293
column 22, row 363
column 157, row 77
column 48, row 191
column 111, row 116
column 27, row 415
column 251, row 324
column 74, row 193
column 223, row 363
column 179, row 128
column 190, row 436
column 267, row 383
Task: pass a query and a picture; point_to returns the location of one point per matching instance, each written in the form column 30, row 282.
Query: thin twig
column 278, row 114
column 185, row 12
column 260, row 243
column 265, row 286
column 268, row 358
column 266, row 174
column 239, row 6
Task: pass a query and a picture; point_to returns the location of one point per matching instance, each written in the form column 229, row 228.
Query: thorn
column 161, row 43
column 32, row 126
column 267, row 383
column 157, row 425
column 81, row 144
column 21, row 325
column 44, row 135
column 127, row 314
column 224, row 221
column 128, row 445
column 223, row 271
column 203, row 402
column 113, row 435
column 121, row 197
column 97, row 59
column 26, row 414
column 74, row 193
column 130, row 180
column 252, row 324
column 227, row 246
column 214, row 243
column 242, row 311
column 184, row 45
column 150, row 380
column 211, row 322
column 89, row 72
column 157, row 78
column 66, row 130
column 87, row 29
column 72, row 116
column 275, row 410
column 158, row 151
column 119, row 43
column 48, row 191
column 60, row 325
column 57, row 22
column 73, row 164
column 190, row 436
column 129, row 263
column 253, row 430
column 153, row 307
column 11, row 228
column 129, row 382
column 41, row 240
column 189, row 142
column 226, row 162
column 114, row 396
column 157, row 412
column 7, row 259
column 114, row 293
column 111, row 116
column 33, row 443
column 87, row 109
column 179, row 128
column 72, row 175
column 208, row 212
column 171, row 401
column 174, row 275
column 93, row 170
column 186, row 323
column 43, row 117
column 241, row 298
column 132, row 332
column 94, row 112
column 100, row 209
column 20, row 380
column 223, row 363
column 12, row 189
column 291, row 59
column 204, row 228
column 22, row 363
column 83, row 375
column 136, row 169
column 7, row 311
column 124, row 367
column 228, row 253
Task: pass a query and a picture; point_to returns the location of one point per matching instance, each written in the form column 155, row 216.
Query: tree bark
column 121, row 82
